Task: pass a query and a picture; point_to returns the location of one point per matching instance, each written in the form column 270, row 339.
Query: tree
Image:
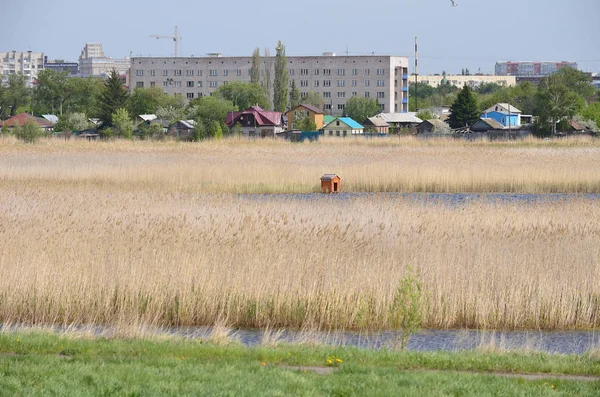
column 425, row 115
column 255, row 69
column 51, row 92
column 267, row 78
column 464, row 110
column 16, row 95
column 243, row 95
column 305, row 124
column 360, row 109
column 314, row 99
column 122, row 123
column 592, row 112
column 147, row 101
column 84, row 95
column 207, row 111
column 555, row 101
column 577, row 81
column 294, row 95
column 114, row 97
column 72, row 122
column 280, row 86
column 170, row 113
column 30, row 132
column 406, row 309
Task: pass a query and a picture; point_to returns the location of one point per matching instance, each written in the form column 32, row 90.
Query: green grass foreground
column 48, row 364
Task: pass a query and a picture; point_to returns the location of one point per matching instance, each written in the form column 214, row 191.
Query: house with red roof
column 23, row 118
column 256, row 122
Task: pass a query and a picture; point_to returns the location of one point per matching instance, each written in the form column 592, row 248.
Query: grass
column 273, row 166
column 47, row 364
column 137, row 233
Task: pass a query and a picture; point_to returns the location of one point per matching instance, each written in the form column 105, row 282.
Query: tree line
column 559, row 97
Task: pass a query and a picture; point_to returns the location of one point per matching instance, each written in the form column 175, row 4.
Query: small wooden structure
column 331, row 183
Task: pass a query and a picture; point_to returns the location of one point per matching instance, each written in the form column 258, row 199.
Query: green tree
column 406, row 313
column 294, row 95
column 425, row 115
column 16, row 95
column 305, row 124
column 170, row 113
column 255, row 69
column 215, row 130
column 313, row 98
column 360, row 109
column 113, row 97
column 147, row 101
column 51, row 92
column 464, row 110
column 206, row 111
column 84, row 95
column 280, row 86
column 555, row 101
column 30, row 132
column 243, row 95
column 577, row 81
column 151, row 131
column 267, row 78
column 592, row 112
column 122, row 123
column 72, row 122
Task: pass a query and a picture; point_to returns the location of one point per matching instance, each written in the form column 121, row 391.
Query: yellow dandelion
column 339, row 360
column 329, row 361
column 263, row 364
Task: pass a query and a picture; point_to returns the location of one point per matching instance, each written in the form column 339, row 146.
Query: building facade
column 336, row 78
column 26, row 63
column 92, row 50
column 527, row 68
column 473, row 81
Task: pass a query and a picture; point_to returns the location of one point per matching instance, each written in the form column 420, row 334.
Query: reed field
column 139, row 233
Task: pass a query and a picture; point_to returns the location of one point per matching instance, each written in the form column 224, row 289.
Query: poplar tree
column 255, row 70
column 280, row 86
column 294, row 95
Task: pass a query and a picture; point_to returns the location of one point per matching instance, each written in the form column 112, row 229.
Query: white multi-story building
column 473, row 81
column 336, row 78
column 93, row 62
column 92, row 50
column 27, row 63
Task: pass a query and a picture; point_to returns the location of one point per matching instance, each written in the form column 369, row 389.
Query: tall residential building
column 27, row 63
column 336, row 78
column 526, row 68
column 92, row 50
column 93, row 62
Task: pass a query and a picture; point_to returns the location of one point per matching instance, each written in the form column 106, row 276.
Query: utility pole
column 176, row 38
column 416, row 75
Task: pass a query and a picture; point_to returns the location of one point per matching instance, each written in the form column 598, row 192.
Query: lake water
column 560, row 342
column 436, row 198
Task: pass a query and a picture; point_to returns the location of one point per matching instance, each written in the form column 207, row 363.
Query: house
column 303, row 111
column 433, row 126
column 343, row 126
column 331, row 183
column 23, row 118
column 145, row 118
column 400, row 121
column 376, row 124
column 573, row 127
column 327, row 119
column 182, row 129
column 256, row 122
column 504, row 113
column 484, row 125
column 51, row 118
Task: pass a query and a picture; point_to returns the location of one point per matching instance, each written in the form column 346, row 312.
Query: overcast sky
column 473, row 35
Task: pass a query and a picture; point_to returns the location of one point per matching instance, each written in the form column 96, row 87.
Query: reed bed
column 90, row 256
column 273, row 166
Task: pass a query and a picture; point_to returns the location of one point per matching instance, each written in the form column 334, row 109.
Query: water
column 435, row 198
column 554, row 342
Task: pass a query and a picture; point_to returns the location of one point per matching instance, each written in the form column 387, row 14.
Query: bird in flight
column 453, row 3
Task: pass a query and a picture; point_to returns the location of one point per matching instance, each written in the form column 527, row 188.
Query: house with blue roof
column 504, row 113
column 343, row 126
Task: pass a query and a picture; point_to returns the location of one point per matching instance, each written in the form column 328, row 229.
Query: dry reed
column 105, row 234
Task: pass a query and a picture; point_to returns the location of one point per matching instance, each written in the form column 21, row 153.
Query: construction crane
column 176, row 38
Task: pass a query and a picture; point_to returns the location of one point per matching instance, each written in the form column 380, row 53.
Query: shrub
column 406, row 313
column 30, row 132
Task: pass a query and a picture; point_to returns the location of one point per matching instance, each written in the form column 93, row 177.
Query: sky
column 474, row 35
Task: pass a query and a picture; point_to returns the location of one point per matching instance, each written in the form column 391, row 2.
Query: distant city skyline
column 475, row 35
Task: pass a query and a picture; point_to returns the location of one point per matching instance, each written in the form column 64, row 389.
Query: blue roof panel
column 350, row 122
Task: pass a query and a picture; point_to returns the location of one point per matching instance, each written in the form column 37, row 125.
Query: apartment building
column 336, row 78
column 93, row 62
column 527, row 68
column 27, row 63
column 473, row 81
column 92, row 50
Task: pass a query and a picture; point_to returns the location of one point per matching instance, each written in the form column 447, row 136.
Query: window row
column 339, row 72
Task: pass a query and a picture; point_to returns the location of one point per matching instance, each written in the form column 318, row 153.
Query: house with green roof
column 343, row 126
